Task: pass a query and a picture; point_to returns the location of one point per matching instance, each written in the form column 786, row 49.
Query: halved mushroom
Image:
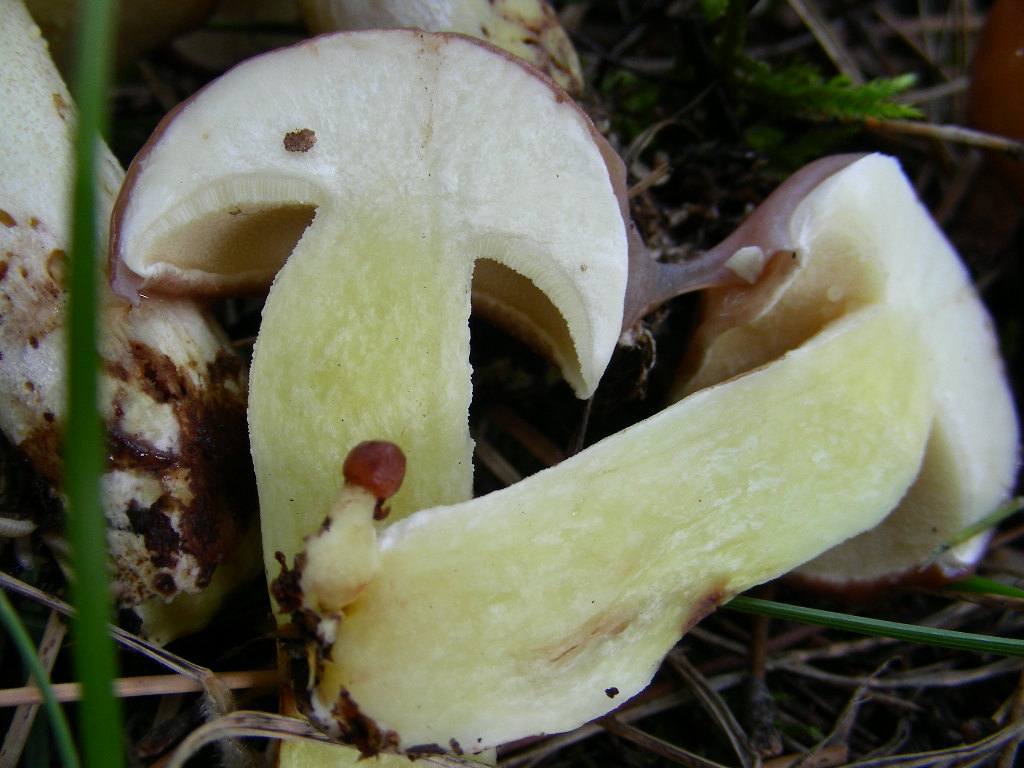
column 419, row 163
column 971, row 462
column 539, row 607
column 552, row 595
column 534, row 608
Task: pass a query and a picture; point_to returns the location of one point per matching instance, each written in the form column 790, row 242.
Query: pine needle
column 943, row 638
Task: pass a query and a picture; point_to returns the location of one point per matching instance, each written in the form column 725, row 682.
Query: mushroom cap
column 392, row 173
column 496, row 153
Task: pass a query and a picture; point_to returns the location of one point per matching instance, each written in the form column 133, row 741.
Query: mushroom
column 172, row 388
column 971, row 462
column 320, row 586
column 461, row 626
column 534, row 608
column 515, row 613
column 527, row 28
column 422, row 164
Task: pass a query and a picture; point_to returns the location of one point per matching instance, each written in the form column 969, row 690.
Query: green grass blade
column 991, row 520
column 95, row 661
column 26, row 649
column 944, row 638
column 979, row 586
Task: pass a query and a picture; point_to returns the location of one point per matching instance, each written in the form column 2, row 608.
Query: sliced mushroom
column 517, row 612
column 817, row 394
column 851, row 205
column 577, row 580
column 419, row 162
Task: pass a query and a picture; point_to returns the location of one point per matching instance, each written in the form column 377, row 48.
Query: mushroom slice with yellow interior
column 864, row 203
column 544, row 605
column 555, row 597
column 411, row 157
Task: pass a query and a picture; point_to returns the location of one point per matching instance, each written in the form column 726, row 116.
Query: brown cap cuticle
column 376, row 465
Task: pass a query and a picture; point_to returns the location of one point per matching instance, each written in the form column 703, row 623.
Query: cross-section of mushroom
column 845, row 205
column 576, row 581
column 422, row 164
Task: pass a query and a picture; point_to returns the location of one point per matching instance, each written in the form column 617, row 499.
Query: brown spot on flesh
column 162, row 541
column 41, row 448
column 604, row 625
column 57, row 267
column 63, row 108
column 116, row 370
column 299, row 141
column 362, row 732
column 704, row 607
column 164, row 583
column 564, row 653
column 6, row 219
column 425, row 750
column 161, row 378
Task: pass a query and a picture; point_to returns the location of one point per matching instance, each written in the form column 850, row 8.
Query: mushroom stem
column 172, row 390
column 386, row 384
